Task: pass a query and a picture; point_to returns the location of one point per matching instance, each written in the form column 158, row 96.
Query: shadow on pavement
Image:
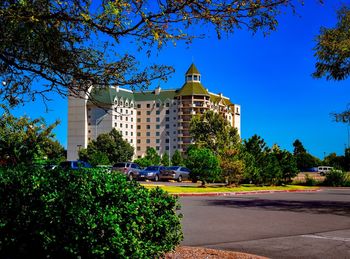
column 314, row 207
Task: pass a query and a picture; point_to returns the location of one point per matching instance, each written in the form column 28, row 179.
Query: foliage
column 83, row 214
column 142, row 162
column 337, row 178
column 287, row 164
column 265, row 165
column 177, row 158
column 94, row 158
column 309, row 180
column 204, row 165
column 72, row 46
column 28, row 141
column 152, row 156
column 212, row 131
column 111, row 145
column 165, row 160
column 333, row 49
column 304, row 160
column 232, row 166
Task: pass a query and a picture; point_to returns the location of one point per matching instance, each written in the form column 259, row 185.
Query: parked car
column 131, row 170
column 177, row 173
column 151, row 173
column 75, row 165
column 323, row 170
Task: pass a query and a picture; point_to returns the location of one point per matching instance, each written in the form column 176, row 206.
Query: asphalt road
column 278, row 225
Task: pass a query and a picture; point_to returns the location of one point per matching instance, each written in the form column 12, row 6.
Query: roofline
column 218, row 95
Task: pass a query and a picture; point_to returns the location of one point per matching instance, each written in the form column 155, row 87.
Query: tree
column 165, row 160
column 204, row 165
column 212, row 131
column 287, row 164
column 333, row 49
column 304, row 160
column 71, row 46
column 109, row 145
column 152, row 156
column 333, row 54
column 177, row 158
column 27, row 141
column 232, row 167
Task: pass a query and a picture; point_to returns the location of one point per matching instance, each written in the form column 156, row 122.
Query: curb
column 239, row 193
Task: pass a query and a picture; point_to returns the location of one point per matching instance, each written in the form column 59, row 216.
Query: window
column 167, row 104
column 131, row 126
column 148, row 127
column 167, row 148
column 121, row 125
column 115, row 124
column 157, row 147
column 126, row 133
column 139, row 134
column 148, row 141
column 148, row 119
column 157, row 140
column 139, row 106
column 157, row 133
column 167, row 140
column 138, row 126
column 148, row 105
column 167, row 126
column 138, row 112
column 158, row 126
column 138, row 120
column 131, row 119
column 126, row 111
column 148, row 134
column 158, row 105
column 132, row 112
column 157, row 119
column 167, row 112
column 157, row 112
column 126, row 118
column 131, row 133
column 167, row 119
column 138, row 148
column 121, row 117
column 148, row 112
column 126, row 126
column 116, row 117
column 195, row 77
column 131, row 140
column 121, row 110
column 139, row 141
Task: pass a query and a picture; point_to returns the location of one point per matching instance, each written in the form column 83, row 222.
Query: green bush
column 310, row 181
column 85, row 213
column 336, row 178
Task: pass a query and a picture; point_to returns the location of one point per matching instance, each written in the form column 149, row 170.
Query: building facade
column 158, row 118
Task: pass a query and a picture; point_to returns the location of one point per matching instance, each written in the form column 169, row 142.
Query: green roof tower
column 192, row 84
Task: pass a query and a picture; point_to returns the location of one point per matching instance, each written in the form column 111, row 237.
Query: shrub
column 309, row 180
column 85, row 213
column 336, row 178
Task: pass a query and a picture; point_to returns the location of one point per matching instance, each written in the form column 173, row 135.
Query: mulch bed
column 186, row 252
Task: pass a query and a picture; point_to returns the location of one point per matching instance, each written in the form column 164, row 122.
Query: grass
column 220, row 188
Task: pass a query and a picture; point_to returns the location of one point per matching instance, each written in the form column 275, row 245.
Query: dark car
column 75, row 165
column 177, row 173
column 131, row 170
column 151, row 173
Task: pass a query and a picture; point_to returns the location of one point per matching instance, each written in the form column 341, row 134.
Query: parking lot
column 278, row 225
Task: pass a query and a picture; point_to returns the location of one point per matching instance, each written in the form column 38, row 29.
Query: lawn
column 220, row 188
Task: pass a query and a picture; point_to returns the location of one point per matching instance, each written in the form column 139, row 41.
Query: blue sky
column 270, row 77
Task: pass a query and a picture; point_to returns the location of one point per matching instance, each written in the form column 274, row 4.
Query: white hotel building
column 158, row 118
